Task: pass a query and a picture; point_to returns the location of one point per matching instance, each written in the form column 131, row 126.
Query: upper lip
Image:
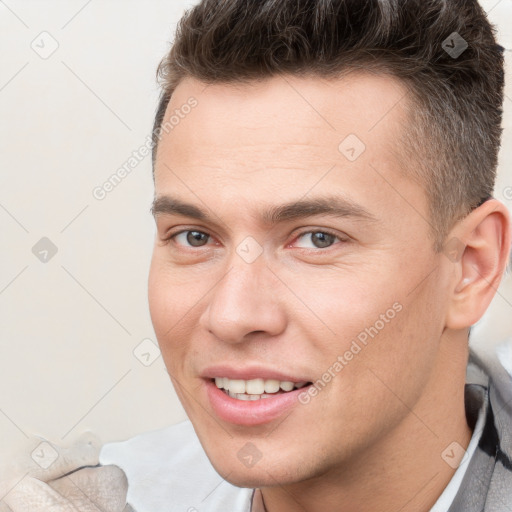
column 250, row 372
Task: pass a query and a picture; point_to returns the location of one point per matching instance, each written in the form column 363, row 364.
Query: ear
column 478, row 247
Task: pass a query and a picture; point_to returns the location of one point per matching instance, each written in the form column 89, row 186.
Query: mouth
column 252, row 402
column 255, row 389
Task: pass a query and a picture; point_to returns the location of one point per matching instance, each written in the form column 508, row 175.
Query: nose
column 244, row 302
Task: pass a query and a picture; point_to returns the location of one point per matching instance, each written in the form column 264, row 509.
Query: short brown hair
column 452, row 141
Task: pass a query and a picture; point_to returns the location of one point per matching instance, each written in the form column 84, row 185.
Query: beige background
column 69, row 326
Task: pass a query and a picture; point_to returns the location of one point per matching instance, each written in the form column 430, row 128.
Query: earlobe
column 484, row 239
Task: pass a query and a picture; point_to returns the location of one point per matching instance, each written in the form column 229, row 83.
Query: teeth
column 271, row 386
column 244, row 396
column 236, row 386
column 255, row 387
column 286, row 385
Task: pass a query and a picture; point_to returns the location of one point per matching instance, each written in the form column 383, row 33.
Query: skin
column 372, row 438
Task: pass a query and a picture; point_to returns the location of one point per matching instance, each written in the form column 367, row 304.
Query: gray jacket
column 487, row 484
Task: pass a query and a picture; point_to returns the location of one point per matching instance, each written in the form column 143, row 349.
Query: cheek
column 398, row 347
column 342, row 305
column 372, row 322
column 164, row 308
column 157, row 298
column 171, row 298
column 174, row 297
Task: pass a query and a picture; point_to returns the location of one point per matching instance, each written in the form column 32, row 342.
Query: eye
column 318, row 239
column 191, row 237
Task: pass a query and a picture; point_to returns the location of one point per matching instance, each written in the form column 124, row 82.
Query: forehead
column 285, row 112
column 287, row 134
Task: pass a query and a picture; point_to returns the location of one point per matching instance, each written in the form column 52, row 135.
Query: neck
column 406, row 470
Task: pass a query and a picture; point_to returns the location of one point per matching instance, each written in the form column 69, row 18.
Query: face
column 293, row 267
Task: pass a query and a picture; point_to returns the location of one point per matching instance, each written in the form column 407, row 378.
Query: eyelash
column 171, row 237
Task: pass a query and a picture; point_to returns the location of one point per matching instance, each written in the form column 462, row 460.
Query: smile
column 255, row 389
column 251, row 402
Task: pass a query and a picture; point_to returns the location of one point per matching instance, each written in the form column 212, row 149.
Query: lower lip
column 250, row 412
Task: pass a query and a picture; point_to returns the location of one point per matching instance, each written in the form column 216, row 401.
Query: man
column 326, row 237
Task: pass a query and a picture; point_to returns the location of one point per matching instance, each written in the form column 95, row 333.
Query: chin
column 268, row 471
column 251, row 480
column 257, row 477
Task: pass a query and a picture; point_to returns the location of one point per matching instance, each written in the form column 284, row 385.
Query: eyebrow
column 335, row 206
